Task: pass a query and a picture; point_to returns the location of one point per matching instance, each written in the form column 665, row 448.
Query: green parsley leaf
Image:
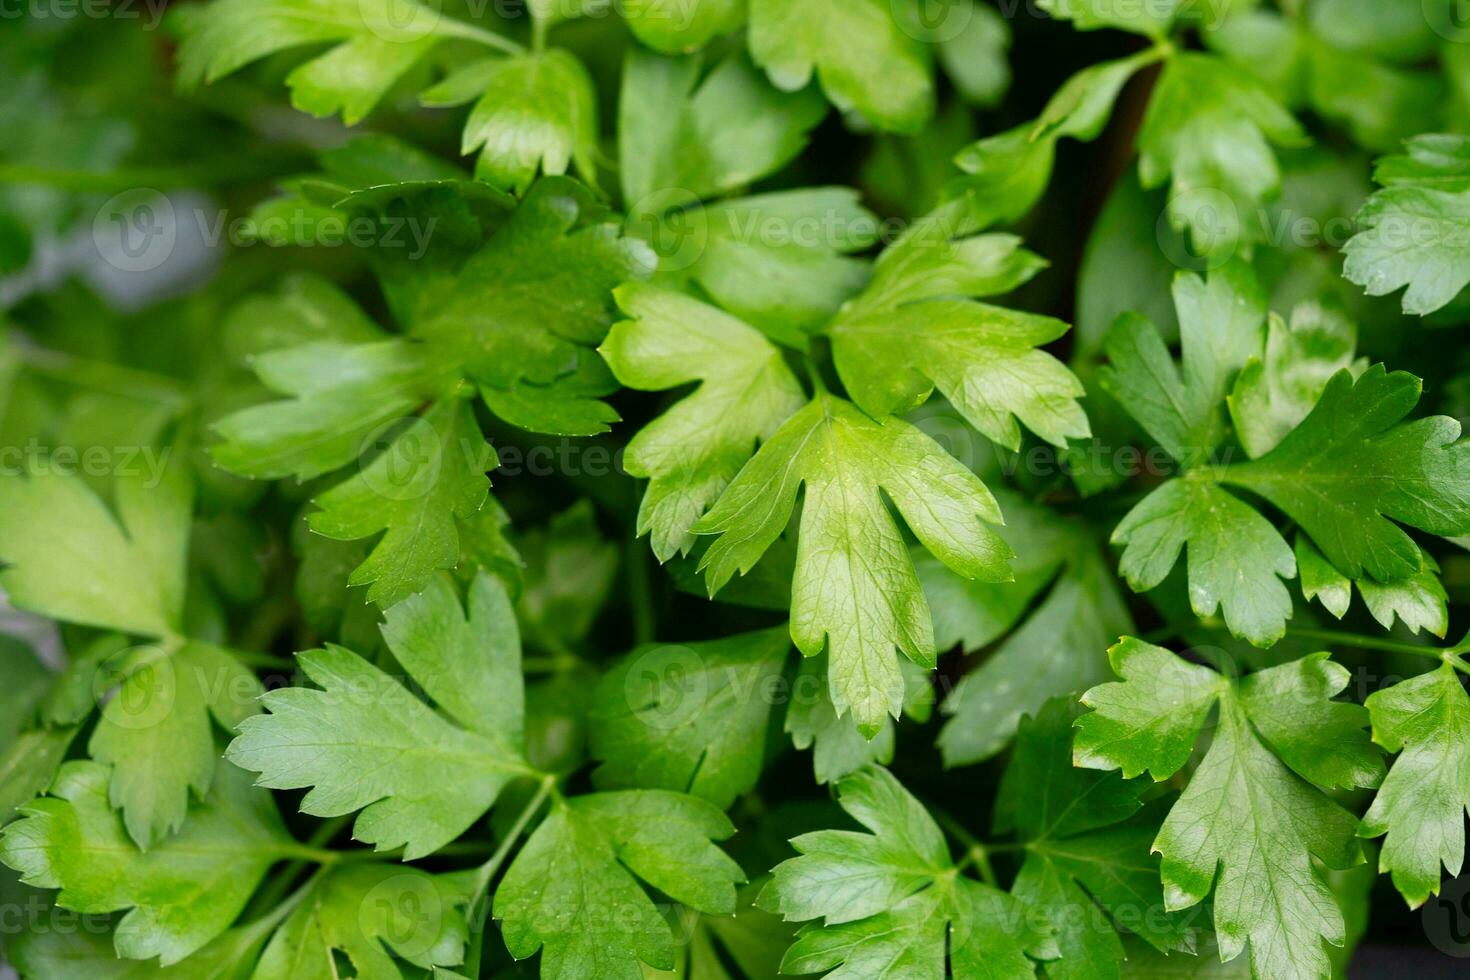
column 181, row 893
column 157, row 732
column 438, row 775
column 527, row 306
column 1087, row 862
column 972, row 614
column 341, row 394
column 1276, row 390
column 690, row 718
column 731, row 127
column 1350, row 469
column 781, row 261
column 1422, row 804
column 897, row 340
column 368, row 915
column 1221, row 327
column 1419, row 600
column 573, row 890
column 1150, row 19
column 856, row 593
column 1055, row 651
column 1209, row 132
column 1413, row 230
column 73, row 559
column 838, row 748
column 691, row 453
column 1319, row 472
column 840, row 41
column 778, row 260
column 681, row 25
column 67, row 556
column 1250, row 820
column 1237, row 559
column 377, row 42
column 430, row 477
column 534, row 113
column 1006, row 174
column 891, row 900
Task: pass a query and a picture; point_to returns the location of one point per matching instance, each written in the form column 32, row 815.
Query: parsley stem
column 981, row 859
column 559, row 664
column 325, row 857
column 479, row 905
column 276, row 909
column 1449, row 655
column 563, row 658
column 814, row 374
column 977, row 852
column 99, row 376
column 640, row 594
column 264, row 661
column 216, row 173
column 270, row 895
column 452, row 27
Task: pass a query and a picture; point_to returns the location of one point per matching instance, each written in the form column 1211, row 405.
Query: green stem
column 953, row 827
column 450, row 27
column 479, row 906
column 322, row 856
column 1162, row 634
column 100, row 376
column 977, row 852
column 129, row 178
column 559, row 664
column 1363, row 641
column 264, row 661
column 466, row 848
column 814, row 374
column 979, row 855
column 278, row 910
column 271, row 894
column 640, row 592
column 562, row 656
